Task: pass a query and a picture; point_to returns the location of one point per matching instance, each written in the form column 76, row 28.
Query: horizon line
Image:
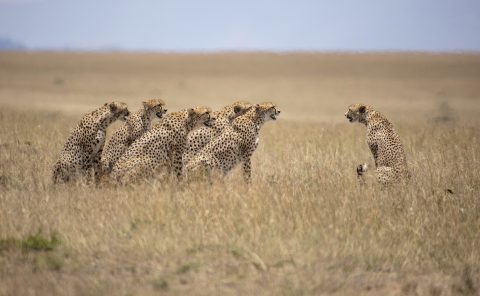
column 239, row 51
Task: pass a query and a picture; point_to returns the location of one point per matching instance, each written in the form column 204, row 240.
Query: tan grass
column 304, row 226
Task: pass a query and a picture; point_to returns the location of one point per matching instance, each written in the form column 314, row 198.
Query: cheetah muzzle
column 274, row 115
column 209, row 122
column 160, row 113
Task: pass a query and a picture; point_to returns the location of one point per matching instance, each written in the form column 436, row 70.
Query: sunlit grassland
column 304, row 225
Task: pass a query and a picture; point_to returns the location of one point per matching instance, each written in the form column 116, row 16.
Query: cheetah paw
column 361, row 168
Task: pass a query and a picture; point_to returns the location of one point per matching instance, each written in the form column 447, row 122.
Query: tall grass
column 304, row 225
column 304, row 207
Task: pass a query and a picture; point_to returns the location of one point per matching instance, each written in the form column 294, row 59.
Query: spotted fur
column 160, row 147
column 84, row 146
column 134, row 127
column 384, row 143
column 198, row 138
column 236, row 144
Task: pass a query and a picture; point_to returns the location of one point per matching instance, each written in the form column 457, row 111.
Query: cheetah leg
column 247, row 170
column 199, row 168
column 60, row 174
column 385, row 175
column 177, row 163
column 69, row 168
column 126, row 175
column 361, row 170
column 97, row 167
column 129, row 175
column 106, row 166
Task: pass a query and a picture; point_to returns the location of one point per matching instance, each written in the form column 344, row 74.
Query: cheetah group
column 178, row 144
column 198, row 140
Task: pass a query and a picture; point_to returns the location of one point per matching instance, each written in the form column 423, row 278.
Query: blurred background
column 215, row 25
column 313, row 58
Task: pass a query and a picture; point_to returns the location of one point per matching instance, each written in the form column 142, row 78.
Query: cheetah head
column 200, row 116
column 239, row 108
column 118, row 110
column 268, row 110
column 154, row 107
column 357, row 112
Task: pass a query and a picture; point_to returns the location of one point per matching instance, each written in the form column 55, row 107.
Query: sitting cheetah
column 84, row 146
column 236, row 143
column 384, row 143
column 198, row 138
column 135, row 126
column 162, row 146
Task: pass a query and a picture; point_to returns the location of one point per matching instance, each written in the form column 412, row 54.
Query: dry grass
column 303, row 227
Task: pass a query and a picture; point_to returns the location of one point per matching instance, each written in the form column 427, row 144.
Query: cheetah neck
column 182, row 119
column 219, row 124
column 103, row 117
column 107, row 121
column 144, row 117
column 373, row 118
column 222, row 118
column 250, row 122
column 223, row 113
column 258, row 120
column 190, row 124
column 174, row 121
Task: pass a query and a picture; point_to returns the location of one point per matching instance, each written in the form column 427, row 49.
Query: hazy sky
column 347, row 25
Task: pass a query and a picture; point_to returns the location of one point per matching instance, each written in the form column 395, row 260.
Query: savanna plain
column 303, row 226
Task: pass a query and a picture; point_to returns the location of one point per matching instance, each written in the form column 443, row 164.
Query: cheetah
column 162, row 146
column 384, row 143
column 198, row 138
column 135, row 126
column 84, row 146
column 236, row 144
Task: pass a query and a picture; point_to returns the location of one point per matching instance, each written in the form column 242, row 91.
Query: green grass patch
column 38, row 242
column 161, row 284
column 33, row 242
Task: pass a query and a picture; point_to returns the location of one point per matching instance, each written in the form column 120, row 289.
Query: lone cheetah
column 384, row 143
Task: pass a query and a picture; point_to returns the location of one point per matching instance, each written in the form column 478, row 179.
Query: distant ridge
column 9, row 44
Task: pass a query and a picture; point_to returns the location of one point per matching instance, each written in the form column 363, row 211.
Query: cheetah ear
column 257, row 107
column 145, row 105
column 237, row 109
column 113, row 107
column 362, row 109
column 190, row 111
